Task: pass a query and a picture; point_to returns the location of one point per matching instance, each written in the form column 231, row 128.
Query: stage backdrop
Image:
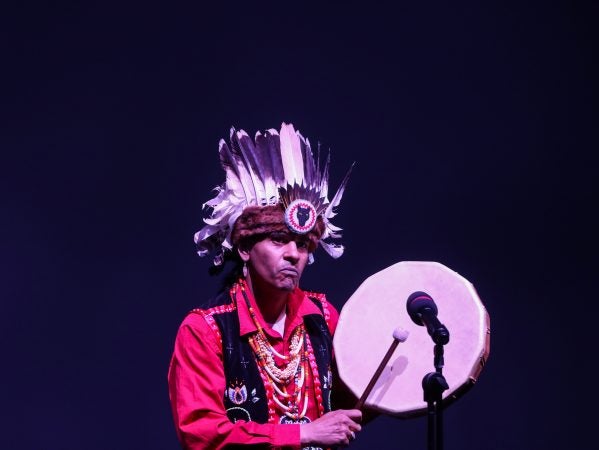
column 473, row 129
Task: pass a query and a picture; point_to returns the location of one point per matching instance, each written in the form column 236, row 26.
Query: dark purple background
column 474, row 128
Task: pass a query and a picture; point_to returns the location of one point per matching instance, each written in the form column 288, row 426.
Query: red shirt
column 197, row 380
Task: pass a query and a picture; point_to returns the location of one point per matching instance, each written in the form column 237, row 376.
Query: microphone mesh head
column 418, row 301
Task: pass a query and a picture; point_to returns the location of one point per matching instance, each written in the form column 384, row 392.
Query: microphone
column 423, row 311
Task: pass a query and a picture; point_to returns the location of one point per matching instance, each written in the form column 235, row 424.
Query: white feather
column 335, row 250
column 330, row 211
column 271, row 191
column 257, row 183
column 291, row 155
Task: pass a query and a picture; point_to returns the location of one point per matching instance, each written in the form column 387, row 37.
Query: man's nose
column 291, row 252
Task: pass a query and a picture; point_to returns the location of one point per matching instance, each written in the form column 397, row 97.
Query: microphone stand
column 434, row 384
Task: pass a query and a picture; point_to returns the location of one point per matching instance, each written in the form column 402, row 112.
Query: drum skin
column 365, row 333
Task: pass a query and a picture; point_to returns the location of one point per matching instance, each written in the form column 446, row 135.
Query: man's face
column 278, row 260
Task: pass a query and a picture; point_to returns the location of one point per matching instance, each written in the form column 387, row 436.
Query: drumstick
column 399, row 335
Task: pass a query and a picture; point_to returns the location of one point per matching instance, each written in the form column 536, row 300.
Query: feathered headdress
column 274, row 168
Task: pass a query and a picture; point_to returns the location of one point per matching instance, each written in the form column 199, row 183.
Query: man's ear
column 244, row 253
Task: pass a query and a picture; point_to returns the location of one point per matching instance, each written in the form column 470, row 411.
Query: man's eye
column 302, row 244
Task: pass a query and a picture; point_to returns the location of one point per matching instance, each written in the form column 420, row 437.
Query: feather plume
column 309, row 166
column 335, row 250
column 274, row 145
column 318, row 174
column 333, row 231
column 228, row 163
column 330, row 211
column 324, row 179
column 268, row 171
column 246, row 175
column 291, row 155
column 248, row 153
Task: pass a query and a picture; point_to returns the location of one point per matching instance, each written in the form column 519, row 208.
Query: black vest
column 245, row 394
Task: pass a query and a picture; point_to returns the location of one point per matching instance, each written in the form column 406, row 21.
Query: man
column 254, row 365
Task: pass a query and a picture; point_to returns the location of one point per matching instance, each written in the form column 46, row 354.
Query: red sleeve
column 196, row 387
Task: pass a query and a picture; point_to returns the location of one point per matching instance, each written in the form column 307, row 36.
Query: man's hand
column 334, row 428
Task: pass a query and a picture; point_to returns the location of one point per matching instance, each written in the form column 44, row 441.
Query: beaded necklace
column 288, row 392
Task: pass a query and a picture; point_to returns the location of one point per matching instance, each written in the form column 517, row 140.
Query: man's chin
column 288, row 284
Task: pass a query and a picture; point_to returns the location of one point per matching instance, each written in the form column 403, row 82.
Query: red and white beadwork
column 300, row 216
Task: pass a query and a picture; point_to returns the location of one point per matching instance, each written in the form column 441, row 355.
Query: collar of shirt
column 298, row 306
